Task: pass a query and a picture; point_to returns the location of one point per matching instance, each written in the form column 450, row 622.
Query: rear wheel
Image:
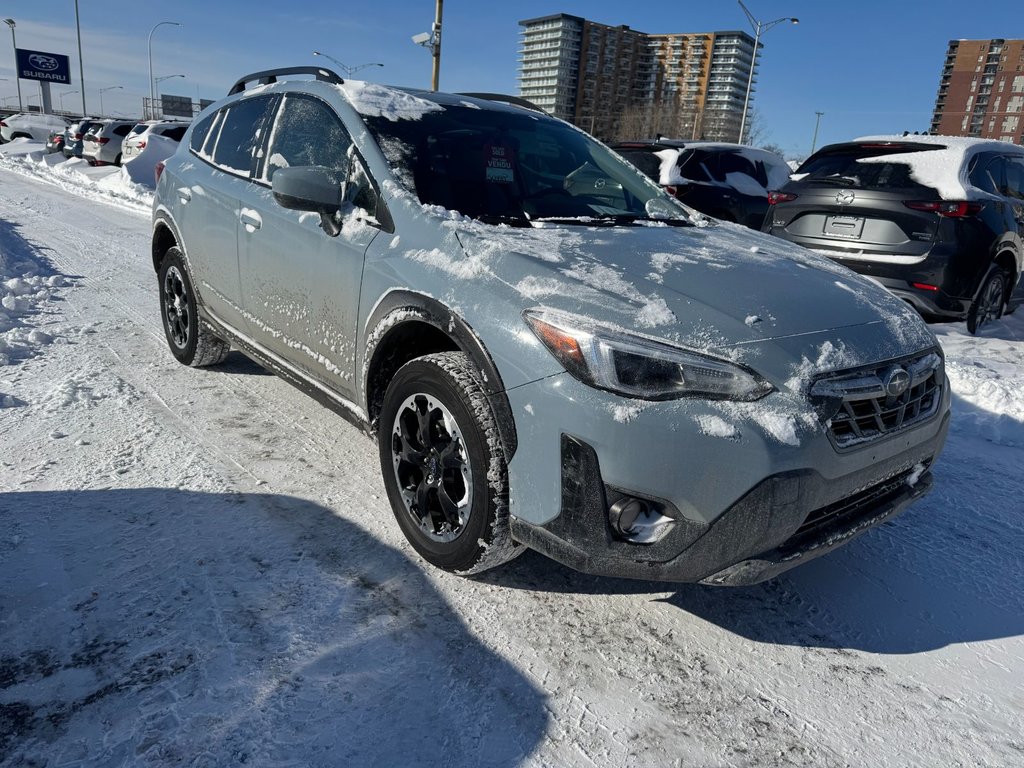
column 190, row 343
column 443, row 465
column 988, row 304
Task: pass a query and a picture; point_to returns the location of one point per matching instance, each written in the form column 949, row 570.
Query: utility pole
column 435, row 77
column 817, row 122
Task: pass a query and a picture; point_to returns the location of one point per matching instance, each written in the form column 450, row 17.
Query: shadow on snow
column 160, row 626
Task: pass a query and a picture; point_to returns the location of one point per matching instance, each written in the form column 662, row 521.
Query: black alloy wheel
column 988, row 304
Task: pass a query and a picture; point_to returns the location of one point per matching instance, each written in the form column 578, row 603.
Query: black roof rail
column 271, row 76
column 505, row 98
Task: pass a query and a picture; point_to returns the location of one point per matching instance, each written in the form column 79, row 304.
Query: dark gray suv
column 938, row 220
column 550, row 351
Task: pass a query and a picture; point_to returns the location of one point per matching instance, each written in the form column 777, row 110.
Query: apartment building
column 616, row 82
column 981, row 90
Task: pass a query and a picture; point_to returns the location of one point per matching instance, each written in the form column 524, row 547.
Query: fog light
column 638, row 521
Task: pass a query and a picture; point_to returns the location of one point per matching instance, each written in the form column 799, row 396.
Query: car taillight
column 103, row 139
column 3, row 124
column 774, row 198
column 954, row 209
column 141, row 145
column 158, row 170
column 78, row 137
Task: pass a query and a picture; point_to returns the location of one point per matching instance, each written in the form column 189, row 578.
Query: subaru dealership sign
column 37, row 65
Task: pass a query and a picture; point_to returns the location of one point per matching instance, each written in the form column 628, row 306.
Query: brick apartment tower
column 981, row 91
column 618, row 83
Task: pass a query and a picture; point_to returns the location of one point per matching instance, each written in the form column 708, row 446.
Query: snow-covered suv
column 938, row 220
column 549, row 350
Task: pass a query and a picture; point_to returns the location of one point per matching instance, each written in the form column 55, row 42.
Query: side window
column 240, row 134
column 691, row 166
column 307, row 132
column 122, row 130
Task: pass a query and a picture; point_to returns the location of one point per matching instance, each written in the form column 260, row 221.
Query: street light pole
column 161, row 79
column 17, row 78
column 110, row 88
column 347, row 69
column 152, row 83
column 817, row 122
column 759, row 27
column 61, row 97
column 81, row 64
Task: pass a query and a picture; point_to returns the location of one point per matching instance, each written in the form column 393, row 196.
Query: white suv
column 30, row 126
column 102, row 144
column 136, row 141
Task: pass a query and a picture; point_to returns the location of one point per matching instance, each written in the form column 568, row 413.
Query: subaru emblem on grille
column 896, row 382
column 845, row 197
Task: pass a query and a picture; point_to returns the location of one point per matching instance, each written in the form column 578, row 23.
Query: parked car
column 101, row 144
column 30, row 126
column 551, row 351
column 74, row 137
column 727, row 181
column 55, row 142
column 937, row 220
column 136, row 139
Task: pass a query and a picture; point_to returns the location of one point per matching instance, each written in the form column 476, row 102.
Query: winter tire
column 443, row 465
column 190, row 343
column 988, row 304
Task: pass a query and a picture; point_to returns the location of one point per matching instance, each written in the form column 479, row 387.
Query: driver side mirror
column 309, row 188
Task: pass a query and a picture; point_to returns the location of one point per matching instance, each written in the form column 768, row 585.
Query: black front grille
column 857, row 504
column 862, row 409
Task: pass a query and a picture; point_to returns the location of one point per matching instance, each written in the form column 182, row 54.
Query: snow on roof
column 945, row 171
column 373, row 100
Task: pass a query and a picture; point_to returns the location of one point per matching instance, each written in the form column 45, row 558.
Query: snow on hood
column 719, row 289
column 943, row 170
column 373, row 100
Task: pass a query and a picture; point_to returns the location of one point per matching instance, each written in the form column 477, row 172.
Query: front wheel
column 443, row 465
column 190, row 343
column 988, row 304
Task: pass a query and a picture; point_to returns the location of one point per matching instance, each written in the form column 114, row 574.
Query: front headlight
column 637, row 367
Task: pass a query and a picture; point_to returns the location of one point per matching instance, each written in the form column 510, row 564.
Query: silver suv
column 550, row 351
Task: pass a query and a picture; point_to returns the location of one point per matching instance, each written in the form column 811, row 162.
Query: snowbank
column 131, row 185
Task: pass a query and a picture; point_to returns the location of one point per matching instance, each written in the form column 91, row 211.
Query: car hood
column 720, row 289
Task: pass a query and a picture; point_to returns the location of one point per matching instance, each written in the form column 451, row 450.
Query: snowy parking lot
column 200, row 567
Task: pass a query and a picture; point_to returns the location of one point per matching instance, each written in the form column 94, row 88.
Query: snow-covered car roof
column 946, row 170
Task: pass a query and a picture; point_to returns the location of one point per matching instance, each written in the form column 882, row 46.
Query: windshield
column 505, row 166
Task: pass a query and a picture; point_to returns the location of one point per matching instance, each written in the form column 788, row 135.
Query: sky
column 870, row 66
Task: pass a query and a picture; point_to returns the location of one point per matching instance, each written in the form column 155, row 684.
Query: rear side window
column 307, row 132
column 175, row 133
column 240, row 133
column 122, row 130
column 864, row 167
column 201, row 131
column 648, row 162
column 1015, row 178
column 988, row 174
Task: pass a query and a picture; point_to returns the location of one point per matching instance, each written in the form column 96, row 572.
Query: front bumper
column 785, row 520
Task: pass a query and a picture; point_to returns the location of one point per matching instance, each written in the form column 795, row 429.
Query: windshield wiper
column 503, row 218
column 611, row 220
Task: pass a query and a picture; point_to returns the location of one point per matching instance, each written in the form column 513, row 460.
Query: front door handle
column 251, row 219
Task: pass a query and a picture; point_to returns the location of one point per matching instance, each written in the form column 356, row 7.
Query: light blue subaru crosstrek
column 550, row 352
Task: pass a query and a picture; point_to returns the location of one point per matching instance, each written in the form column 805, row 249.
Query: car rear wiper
column 842, row 181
